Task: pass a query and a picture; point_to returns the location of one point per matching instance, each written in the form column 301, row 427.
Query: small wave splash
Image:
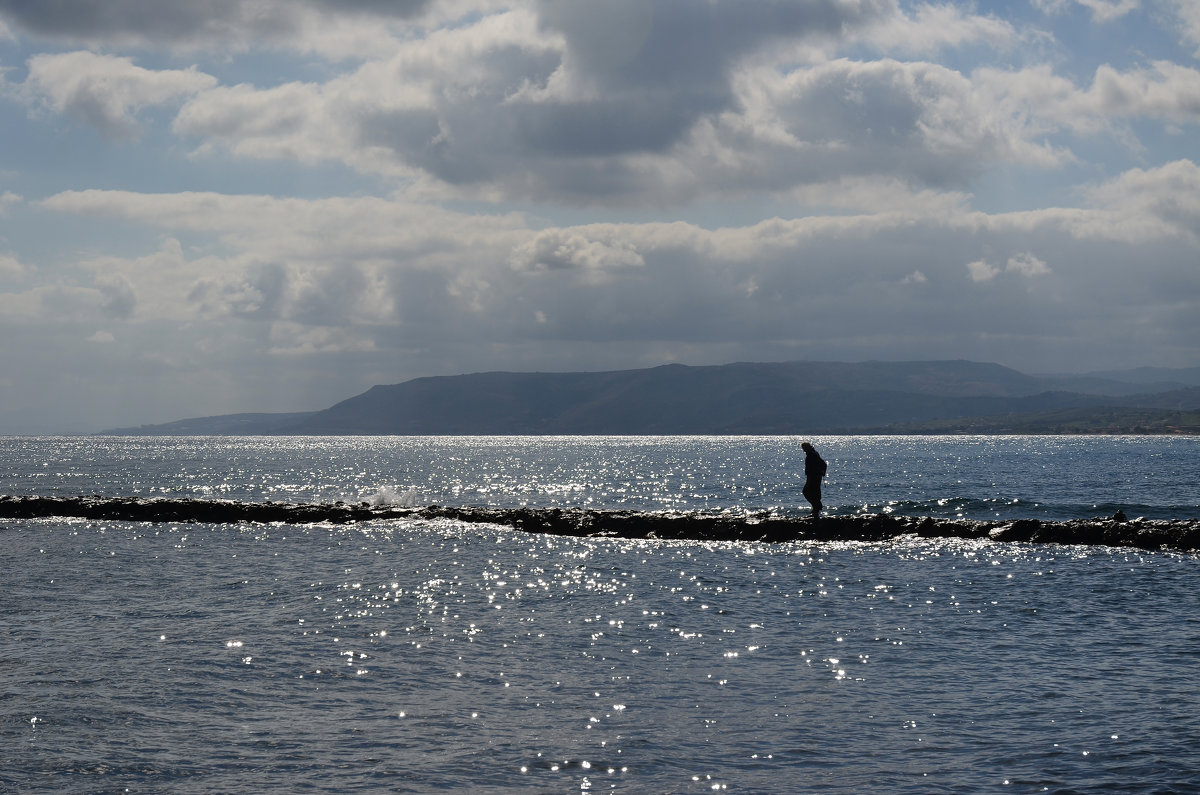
column 1171, row 534
column 388, row 495
column 1013, row 509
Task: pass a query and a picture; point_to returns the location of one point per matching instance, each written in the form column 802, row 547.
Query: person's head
column 806, row 447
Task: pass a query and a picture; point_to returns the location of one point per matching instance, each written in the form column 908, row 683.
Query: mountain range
column 745, row 398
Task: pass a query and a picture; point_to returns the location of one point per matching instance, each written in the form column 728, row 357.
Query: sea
column 428, row 656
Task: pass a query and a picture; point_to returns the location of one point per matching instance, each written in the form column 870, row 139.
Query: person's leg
column 812, row 493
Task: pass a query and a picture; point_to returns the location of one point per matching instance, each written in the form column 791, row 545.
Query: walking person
column 814, row 470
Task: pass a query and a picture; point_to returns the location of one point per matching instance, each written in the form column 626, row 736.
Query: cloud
column 310, row 295
column 1144, row 204
column 316, row 262
column 687, row 48
column 981, row 271
column 102, row 337
column 1168, row 91
column 219, row 24
column 266, row 229
column 1043, row 104
column 480, row 132
column 878, row 195
column 1189, row 21
column 106, row 91
column 931, row 28
column 1025, row 264
column 387, row 283
column 576, row 249
column 347, row 193
column 598, row 103
column 120, row 299
column 1108, row 10
column 54, row 303
column 917, row 122
column 290, row 339
column 556, row 107
column 11, row 267
column 1102, row 10
column 256, row 294
column 284, row 121
column 425, row 109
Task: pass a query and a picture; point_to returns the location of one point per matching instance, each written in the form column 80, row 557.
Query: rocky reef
column 1178, row 535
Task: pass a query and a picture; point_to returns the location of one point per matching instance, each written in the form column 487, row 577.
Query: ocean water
column 433, row 656
column 981, row 477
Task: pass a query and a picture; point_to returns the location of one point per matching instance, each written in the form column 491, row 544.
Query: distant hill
column 1126, row 382
column 223, row 425
column 741, row 398
column 1154, row 376
column 1098, row 419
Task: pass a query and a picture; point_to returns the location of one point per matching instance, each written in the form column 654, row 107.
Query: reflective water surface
column 1050, row 477
column 415, row 658
column 431, row 656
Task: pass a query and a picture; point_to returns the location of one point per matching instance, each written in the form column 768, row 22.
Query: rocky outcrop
column 1179, row 535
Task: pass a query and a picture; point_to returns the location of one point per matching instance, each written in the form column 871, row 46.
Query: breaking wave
column 389, row 496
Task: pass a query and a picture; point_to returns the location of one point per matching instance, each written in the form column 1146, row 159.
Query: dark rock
column 1180, row 535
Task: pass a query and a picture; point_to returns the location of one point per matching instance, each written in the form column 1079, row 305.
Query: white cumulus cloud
column 107, row 91
column 981, row 271
column 1026, row 264
column 574, row 249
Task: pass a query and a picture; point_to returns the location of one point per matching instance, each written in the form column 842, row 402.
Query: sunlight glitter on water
column 948, row 476
column 392, row 652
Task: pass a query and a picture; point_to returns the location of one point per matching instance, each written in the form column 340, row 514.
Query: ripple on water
column 427, row 655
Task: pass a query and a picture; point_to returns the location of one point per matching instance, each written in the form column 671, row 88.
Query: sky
column 218, row 206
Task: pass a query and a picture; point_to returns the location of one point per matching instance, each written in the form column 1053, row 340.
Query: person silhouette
column 814, row 469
